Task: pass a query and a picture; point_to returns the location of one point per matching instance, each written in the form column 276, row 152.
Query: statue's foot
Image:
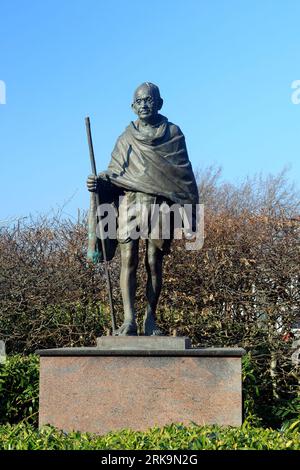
column 128, row 328
column 150, row 328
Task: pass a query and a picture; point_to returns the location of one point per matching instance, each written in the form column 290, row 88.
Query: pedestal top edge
column 94, row 351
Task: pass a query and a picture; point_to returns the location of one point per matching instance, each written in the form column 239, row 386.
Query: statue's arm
column 103, row 183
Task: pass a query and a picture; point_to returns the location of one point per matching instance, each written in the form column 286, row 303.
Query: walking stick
column 98, row 201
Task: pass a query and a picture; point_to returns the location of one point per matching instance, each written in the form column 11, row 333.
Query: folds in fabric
column 157, row 165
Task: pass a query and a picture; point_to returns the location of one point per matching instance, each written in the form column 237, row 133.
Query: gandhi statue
column 150, row 166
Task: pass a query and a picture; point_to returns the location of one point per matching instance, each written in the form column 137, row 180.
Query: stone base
column 95, row 390
column 144, row 342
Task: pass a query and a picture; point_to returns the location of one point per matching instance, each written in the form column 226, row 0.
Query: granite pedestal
column 105, row 388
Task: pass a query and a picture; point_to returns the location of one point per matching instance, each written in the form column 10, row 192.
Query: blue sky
column 224, row 67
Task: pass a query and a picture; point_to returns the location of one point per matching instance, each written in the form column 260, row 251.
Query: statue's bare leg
column 129, row 264
column 154, row 261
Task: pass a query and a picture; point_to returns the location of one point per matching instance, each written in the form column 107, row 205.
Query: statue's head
column 147, row 101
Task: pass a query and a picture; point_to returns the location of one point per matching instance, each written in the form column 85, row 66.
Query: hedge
column 173, row 437
column 19, row 389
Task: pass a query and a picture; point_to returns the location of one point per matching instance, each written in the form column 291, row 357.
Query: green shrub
column 269, row 401
column 19, row 388
column 172, row 437
column 289, row 412
column 251, row 391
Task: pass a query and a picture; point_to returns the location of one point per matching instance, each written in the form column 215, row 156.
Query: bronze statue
column 149, row 166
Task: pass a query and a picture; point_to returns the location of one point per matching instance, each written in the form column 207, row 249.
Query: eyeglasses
column 147, row 100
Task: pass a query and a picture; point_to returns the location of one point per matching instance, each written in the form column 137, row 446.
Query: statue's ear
column 160, row 103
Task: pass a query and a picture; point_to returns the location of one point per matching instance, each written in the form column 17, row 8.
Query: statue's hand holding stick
column 95, row 189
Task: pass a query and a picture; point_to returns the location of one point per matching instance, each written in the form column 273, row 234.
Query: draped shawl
column 156, row 165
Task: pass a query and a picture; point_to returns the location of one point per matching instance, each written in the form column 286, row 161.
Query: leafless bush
column 49, row 295
column 272, row 195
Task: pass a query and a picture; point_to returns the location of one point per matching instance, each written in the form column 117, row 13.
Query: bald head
column 150, row 88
